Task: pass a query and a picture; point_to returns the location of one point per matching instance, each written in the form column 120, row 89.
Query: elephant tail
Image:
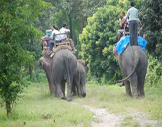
column 66, row 61
column 136, row 60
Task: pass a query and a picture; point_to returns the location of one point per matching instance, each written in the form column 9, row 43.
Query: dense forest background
column 93, row 26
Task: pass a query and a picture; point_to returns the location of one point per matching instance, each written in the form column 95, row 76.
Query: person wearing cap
column 46, row 38
column 132, row 16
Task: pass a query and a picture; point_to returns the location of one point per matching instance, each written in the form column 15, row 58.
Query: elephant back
column 61, row 46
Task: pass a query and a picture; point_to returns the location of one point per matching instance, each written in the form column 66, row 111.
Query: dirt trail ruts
column 102, row 117
column 105, row 119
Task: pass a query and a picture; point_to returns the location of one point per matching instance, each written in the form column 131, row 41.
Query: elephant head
column 79, row 79
column 45, row 62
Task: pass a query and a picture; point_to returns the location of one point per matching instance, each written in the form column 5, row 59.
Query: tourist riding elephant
column 133, row 64
column 79, row 87
column 62, row 70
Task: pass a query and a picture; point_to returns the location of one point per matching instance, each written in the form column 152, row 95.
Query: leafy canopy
column 98, row 38
column 151, row 15
column 16, row 28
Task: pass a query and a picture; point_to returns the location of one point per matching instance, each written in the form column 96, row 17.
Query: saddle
column 60, row 46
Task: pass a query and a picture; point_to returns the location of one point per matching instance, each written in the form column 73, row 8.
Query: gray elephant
column 59, row 70
column 46, row 63
column 133, row 64
column 79, row 87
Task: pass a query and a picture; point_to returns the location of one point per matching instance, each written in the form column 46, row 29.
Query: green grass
column 37, row 108
column 115, row 100
column 129, row 122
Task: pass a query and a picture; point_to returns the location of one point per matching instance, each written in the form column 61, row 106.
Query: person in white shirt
column 64, row 35
column 64, row 32
column 55, row 37
column 132, row 15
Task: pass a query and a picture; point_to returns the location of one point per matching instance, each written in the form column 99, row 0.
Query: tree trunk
column 71, row 26
column 30, row 71
column 8, row 108
column 81, row 24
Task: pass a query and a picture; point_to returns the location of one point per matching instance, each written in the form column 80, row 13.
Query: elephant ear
column 46, row 62
column 81, row 62
column 45, row 51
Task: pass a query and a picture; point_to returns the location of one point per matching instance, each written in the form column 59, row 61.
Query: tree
column 97, row 40
column 16, row 28
column 151, row 15
column 74, row 13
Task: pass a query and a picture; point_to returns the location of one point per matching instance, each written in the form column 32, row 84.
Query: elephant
column 79, row 87
column 46, row 63
column 59, row 70
column 133, row 64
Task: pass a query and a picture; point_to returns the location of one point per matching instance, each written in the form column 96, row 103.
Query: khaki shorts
column 121, row 30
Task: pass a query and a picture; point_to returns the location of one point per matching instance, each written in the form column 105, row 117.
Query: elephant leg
column 59, row 91
column 79, row 89
column 52, row 89
column 69, row 92
column 128, row 88
column 63, row 89
column 134, row 83
column 51, row 86
column 74, row 90
column 141, row 81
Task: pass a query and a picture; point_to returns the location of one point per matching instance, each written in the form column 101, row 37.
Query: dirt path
column 102, row 117
column 105, row 119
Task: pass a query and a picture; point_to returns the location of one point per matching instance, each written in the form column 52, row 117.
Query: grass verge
column 115, row 100
column 37, row 108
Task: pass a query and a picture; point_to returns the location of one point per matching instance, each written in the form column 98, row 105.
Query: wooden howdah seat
column 59, row 46
column 66, row 42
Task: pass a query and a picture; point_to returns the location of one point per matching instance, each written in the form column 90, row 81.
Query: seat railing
column 54, row 37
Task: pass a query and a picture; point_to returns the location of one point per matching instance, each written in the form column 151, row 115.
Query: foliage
column 12, row 71
column 151, row 15
column 97, row 40
column 74, row 13
column 154, row 73
column 17, row 27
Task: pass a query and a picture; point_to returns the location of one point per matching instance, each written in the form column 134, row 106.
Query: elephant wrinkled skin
column 133, row 64
column 79, row 87
column 59, row 70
